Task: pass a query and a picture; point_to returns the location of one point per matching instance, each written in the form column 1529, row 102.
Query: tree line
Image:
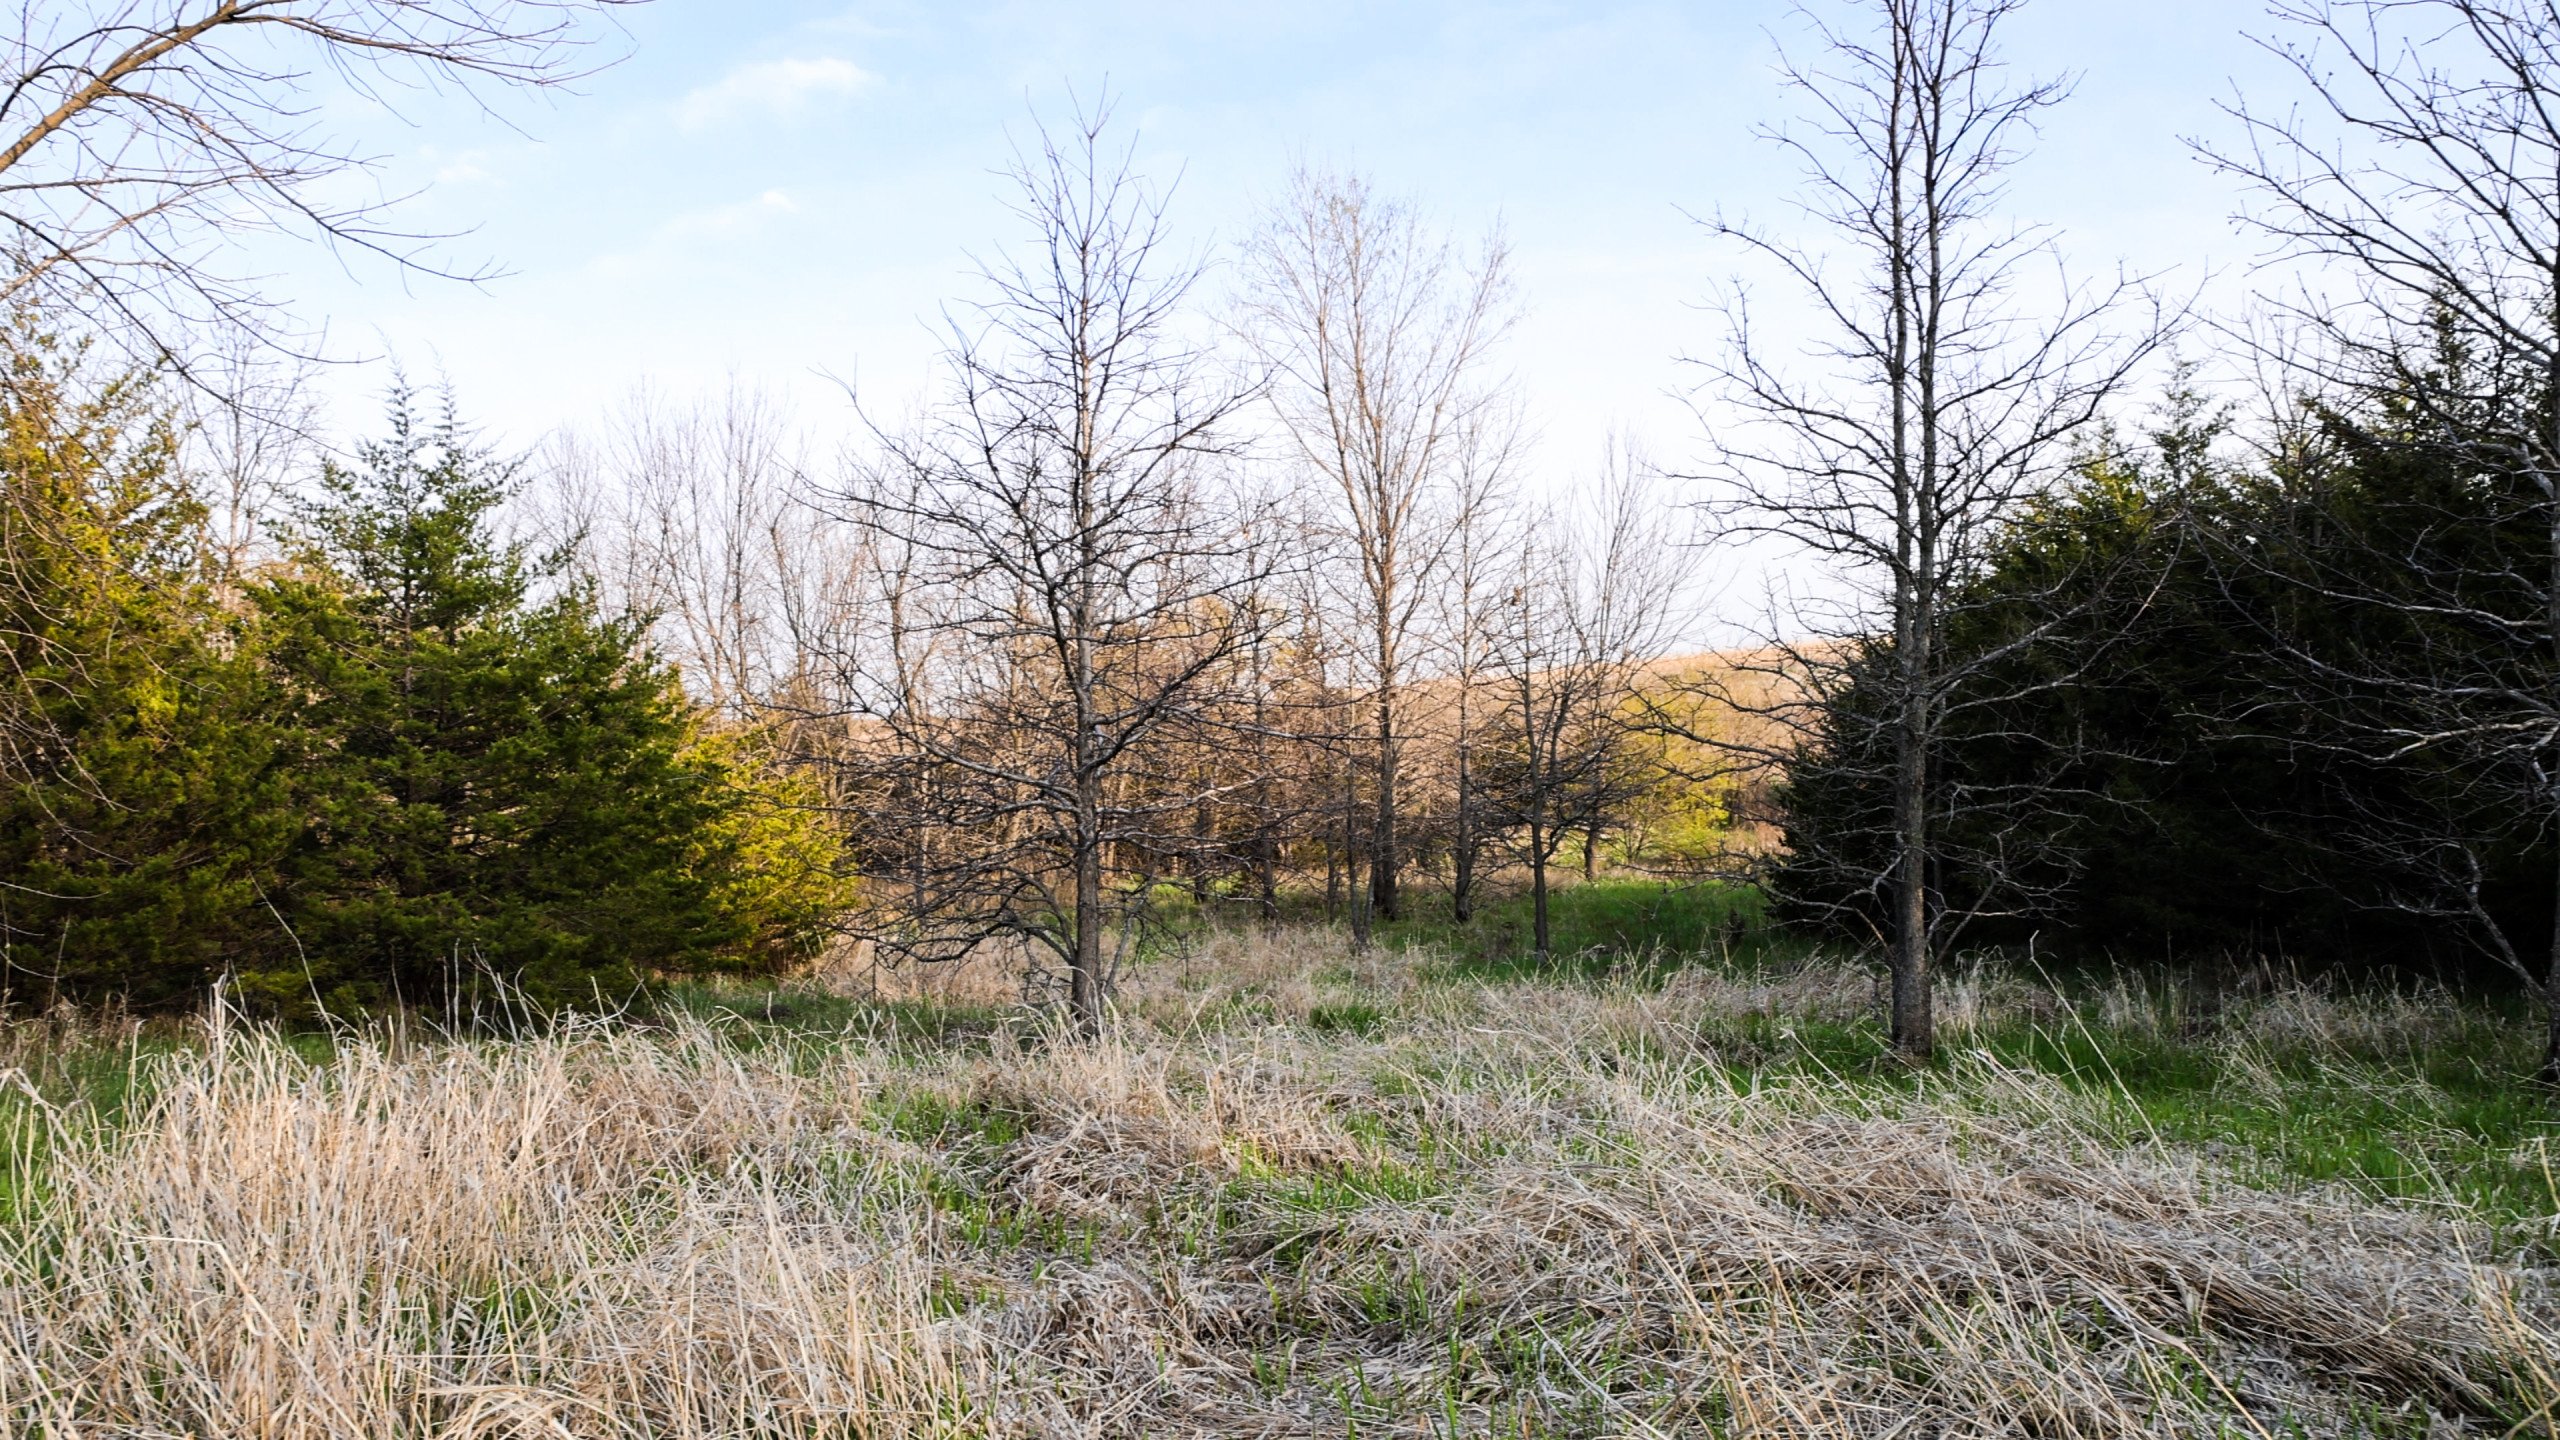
column 2276, row 675
column 1202, row 583
column 1161, row 602
column 1170, row 598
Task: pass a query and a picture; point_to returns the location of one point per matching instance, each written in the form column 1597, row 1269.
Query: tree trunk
column 1462, row 851
column 2551, row 977
column 1913, row 1023
column 1086, row 986
column 1382, row 838
column 1914, row 1014
column 1086, row 983
column 2550, row 484
column 1358, row 900
column 1591, row 850
column 1266, row 874
column 1537, row 828
column 1204, row 830
column 1538, row 888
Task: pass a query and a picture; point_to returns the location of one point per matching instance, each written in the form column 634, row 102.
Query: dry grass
column 1288, row 1195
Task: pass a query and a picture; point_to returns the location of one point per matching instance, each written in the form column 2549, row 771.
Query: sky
column 783, row 193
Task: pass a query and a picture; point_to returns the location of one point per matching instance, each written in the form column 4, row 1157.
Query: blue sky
column 778, row 189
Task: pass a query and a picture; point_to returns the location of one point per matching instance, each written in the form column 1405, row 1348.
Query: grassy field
column 1424, row 1190
column 1597, row 927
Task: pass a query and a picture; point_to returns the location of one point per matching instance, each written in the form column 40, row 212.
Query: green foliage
column 496, row 786
column 415, row 765
column 774, row 860
column 1597, row 926
column 141, row 800
column 2191, row 775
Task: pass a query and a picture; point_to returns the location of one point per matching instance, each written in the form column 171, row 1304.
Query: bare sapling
column 1948, row 364
column 1062, row 590
column 1376, row 342
column 1594, row 598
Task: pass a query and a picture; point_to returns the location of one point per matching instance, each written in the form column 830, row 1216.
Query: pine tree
column 499, row 784
column 141, row 805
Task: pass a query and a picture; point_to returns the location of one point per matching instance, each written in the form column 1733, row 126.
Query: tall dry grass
column 600, row 1233
column 1290, row 1193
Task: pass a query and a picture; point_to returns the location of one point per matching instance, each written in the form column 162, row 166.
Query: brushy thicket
column 2181, row 733
column 1287, row 1193
column 399, row 761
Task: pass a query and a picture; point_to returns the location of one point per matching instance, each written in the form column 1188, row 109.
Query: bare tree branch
column 1376, row 337
column 1955, row 362
column 1062, row 589
column 140, row 139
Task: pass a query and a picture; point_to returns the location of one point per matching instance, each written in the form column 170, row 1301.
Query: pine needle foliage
column 500, row 791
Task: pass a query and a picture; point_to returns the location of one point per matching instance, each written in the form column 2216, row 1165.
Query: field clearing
column 1292, row 1192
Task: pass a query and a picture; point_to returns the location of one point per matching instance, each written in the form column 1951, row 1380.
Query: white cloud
column 455, row 167
column 729, row 219
column 774, row 87
column 683, row 239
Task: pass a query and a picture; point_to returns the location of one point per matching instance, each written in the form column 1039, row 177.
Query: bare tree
column 695, row 513
column 1470, row 603
column 2427, row 196
column 1938, row 400
column 140, row 138
column 1063, row 590
column 1595, row 600
column 246, row 445
column 1376, row 337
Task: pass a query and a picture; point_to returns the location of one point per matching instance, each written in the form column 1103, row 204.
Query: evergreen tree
column 2225, row 796
column 498, row 781
column 141, row 805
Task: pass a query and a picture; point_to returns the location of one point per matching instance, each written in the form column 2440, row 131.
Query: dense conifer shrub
column 141, row 798
column 2197, row 716
column 407, row 763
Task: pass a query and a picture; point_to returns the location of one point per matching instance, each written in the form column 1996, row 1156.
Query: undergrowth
column 1300, row 1190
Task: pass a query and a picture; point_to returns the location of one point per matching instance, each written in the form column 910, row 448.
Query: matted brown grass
column 1287, row 1194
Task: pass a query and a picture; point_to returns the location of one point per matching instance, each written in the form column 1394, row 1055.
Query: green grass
column 1446, row 1066
column 78, row 1078
column 1599, row 920
column 2447, row 1112
column 2451, row 1113
column 1347, row 1017
column 1595, row 927
column 2458, row 1115
column 807, row 1018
